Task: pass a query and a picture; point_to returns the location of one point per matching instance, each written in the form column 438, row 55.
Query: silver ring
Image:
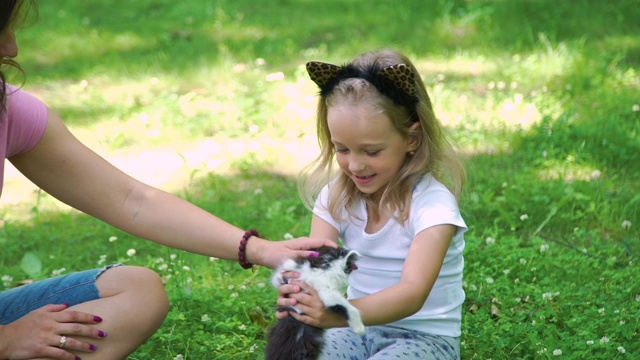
column 63, row 342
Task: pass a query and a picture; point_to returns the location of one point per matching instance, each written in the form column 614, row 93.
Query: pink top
column 21, row 125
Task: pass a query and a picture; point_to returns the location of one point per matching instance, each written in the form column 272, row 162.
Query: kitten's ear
column 352, row 257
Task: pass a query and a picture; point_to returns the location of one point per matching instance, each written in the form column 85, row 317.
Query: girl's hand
column 39, row 334
column 312, row 309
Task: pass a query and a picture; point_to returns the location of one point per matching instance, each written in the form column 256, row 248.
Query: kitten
column 290, row 339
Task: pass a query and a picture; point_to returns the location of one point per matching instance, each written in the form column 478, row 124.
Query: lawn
column 210, row 100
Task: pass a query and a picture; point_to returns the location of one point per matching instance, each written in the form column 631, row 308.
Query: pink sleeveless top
column 21, row 125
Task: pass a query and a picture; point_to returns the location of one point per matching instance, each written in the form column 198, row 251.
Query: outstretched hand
column 275, row 253
column 49, row 332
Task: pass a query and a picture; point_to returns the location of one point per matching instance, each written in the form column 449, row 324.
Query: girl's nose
column 356, row 164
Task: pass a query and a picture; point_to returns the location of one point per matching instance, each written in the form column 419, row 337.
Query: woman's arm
column 65, row 168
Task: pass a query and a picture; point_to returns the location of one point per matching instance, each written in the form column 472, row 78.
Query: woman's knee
column 139, row 282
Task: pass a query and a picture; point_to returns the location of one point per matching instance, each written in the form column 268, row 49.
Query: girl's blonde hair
column 434, row 154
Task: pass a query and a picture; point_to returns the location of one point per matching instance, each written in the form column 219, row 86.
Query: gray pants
column 386, row 342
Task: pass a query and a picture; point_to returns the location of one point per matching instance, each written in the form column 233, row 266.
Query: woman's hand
column 49, row 332
column 311, row 308
column 273, row 253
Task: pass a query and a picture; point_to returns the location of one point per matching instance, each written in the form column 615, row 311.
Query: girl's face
column 368, row 148
column 8, row 45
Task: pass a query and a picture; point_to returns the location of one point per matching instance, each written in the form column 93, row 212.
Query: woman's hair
column 12, row 16
column 434, row 154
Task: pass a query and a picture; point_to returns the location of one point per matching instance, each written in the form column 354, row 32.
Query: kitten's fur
column 290, row 339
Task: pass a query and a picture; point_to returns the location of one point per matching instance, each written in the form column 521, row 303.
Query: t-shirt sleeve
column 433, row 206
column 321, row 208
column 27, row 120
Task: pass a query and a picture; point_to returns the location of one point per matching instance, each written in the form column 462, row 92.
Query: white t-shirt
column 384, row 254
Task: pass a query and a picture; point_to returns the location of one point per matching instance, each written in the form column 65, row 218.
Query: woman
column 101, row 313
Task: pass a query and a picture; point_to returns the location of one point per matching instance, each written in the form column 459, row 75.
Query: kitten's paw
column 358, row 328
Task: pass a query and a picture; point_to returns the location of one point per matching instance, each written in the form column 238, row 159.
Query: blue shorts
column 388, row 343
column 72, row 289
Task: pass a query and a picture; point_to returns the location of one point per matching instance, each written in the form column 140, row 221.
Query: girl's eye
column 373, row 153
column 342, row 150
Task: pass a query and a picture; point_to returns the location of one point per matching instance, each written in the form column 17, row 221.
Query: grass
column 541, row 97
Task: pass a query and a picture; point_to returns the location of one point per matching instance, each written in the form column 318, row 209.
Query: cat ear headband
column 395, row 81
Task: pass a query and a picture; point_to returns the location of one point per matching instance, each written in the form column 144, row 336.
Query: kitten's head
column 329, row 255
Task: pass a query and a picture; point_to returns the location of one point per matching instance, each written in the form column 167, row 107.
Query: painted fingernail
column 78, row 358
column 97, row 319
column 92, row 347
column 102, row 334
column 314, row 254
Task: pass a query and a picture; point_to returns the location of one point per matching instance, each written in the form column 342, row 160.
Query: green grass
column 541, row 96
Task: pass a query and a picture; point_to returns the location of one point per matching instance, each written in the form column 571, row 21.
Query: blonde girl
column 393, row 198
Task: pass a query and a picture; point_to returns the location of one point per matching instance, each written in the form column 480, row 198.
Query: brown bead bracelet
column 242, row 256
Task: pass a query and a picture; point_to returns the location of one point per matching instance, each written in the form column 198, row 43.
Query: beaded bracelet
column 242, row 256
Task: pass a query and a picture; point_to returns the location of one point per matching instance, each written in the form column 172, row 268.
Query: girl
column 389, row 202
column 102, row 313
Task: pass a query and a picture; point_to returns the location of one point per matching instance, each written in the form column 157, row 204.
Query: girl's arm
column 68, row 170
column 404, row 299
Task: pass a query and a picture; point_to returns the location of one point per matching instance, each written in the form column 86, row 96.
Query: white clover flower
column 103, row 259
column 113, row 238
column 490, row 241
column 186, row 268
column 626, row 224
column 131, row 252
column 557, row 352
column 589, row 342
column 635, row 108
column 547, row 296
column 234, row 295
column 544, row 247
column 212, row 259
column 595, row 174
column 205, row 318
column 230, row 287
column 506, row 271
column 622, row 322
column 638, row 297
column 524, row 217
column 253, row 348
column 58, row 271
column 489, row 280
column 601, row 310
column 261, row 285
column 173, row 256
column 287, row 236
column 604, row 340
column 621, row 350
column 242, row 327
column 6, row 280
column 178, row 357
column 257, row 191
column 523, row 261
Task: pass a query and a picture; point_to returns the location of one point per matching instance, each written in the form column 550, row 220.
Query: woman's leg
column 133, row 305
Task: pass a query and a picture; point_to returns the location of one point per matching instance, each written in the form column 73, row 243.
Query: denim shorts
column 71, row 289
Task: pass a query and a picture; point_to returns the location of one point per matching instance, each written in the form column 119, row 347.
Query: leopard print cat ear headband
column 395, row 81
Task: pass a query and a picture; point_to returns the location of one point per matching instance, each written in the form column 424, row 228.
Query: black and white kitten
column 290, row 339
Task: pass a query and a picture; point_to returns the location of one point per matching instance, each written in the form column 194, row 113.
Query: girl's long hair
column 434, row 154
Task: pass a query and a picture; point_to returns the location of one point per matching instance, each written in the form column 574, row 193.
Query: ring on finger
column 63, row 342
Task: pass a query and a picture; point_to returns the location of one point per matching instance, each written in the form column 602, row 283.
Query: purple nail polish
column 102, row 334
column 92, row 347
column 78, row 358
column 314, row 254
column 97, row 319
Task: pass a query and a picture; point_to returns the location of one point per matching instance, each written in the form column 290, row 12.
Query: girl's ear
column 415, row 136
